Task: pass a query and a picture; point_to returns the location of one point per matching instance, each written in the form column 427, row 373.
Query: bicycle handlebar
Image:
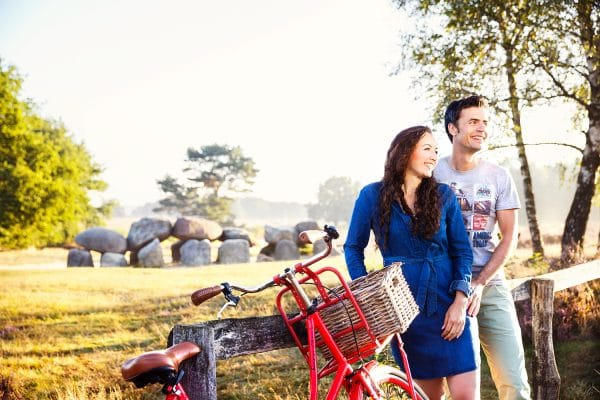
column 201, row 295
column 311, row 236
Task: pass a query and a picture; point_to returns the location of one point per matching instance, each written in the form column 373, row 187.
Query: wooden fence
column 223, row 339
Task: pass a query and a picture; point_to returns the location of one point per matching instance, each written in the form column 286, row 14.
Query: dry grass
column 65, row 332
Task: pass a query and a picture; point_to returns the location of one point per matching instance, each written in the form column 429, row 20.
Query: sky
column 303, row 87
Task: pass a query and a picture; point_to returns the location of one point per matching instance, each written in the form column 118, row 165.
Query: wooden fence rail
column 223, row 339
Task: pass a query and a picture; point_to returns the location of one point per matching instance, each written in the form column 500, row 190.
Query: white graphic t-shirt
column 480, row 192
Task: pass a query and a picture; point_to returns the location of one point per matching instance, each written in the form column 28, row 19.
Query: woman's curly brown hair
column 426, row 219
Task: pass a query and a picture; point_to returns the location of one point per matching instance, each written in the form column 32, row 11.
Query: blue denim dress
column 434, row 270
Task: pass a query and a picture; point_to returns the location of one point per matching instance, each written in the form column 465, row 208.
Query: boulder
column 151, row 255
column 234, row 251
column 275, row 234
column 195, row 252
column 145, row 230
column 236, row 233
column 196, row 228
column 286, row 250
column 102, row 240
column 113, row 260
column 79, row 258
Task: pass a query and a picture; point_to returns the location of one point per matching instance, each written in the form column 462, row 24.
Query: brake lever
column 232, row 300
column 228, row 304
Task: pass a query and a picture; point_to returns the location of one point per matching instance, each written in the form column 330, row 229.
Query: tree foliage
column 45, row 176
column 566, row 50
column 220, row 166
column 476, row 47
column 336, row 198
column 517, row 53
column 210, row 172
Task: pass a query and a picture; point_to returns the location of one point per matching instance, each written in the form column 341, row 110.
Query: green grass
column 64, row 333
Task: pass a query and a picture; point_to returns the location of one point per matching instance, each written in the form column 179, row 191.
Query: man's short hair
column 454, row 108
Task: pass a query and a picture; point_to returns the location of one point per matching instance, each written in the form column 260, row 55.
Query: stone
column 79, row 258
column 286, row 250
column 275, row 234
column 102, row 240
column 236, row 233
column 196, row 228
column 143, row 231
column 113, row 260
column 195, row 252
column 151, row 255
column 234, row 251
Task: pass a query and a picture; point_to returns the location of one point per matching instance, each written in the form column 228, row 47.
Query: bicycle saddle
column 158, row 366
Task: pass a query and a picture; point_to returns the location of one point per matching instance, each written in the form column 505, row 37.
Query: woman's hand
column 454, row 321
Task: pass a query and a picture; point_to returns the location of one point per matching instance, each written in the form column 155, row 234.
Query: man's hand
column 474, row 302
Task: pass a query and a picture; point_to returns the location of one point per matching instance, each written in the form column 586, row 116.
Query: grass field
column 64, row 333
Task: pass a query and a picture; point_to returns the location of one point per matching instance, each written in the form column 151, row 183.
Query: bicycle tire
column 393, row 384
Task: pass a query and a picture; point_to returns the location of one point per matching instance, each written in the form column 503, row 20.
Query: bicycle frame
column 345, row 375
column 176, row 393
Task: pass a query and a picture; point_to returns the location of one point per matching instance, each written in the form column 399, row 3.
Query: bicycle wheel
column 393, row 384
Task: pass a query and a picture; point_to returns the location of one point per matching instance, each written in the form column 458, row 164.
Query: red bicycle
column 336, row 327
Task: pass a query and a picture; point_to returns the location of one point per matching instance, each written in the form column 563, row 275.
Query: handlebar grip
column 201, row 295
column 311, row 236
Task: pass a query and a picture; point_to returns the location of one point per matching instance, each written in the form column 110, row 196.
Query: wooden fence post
column 546, row 380
column 200, row 379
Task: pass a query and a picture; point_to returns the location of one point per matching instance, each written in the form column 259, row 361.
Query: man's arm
column 507, row 223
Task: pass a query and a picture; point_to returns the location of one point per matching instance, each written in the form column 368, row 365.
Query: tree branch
column 561, row 87
column 538, row 144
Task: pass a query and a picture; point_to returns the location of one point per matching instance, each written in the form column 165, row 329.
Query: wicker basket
column 385, row 299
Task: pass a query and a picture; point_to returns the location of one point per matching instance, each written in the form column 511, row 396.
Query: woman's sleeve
column 358, row 235
column 458, row 246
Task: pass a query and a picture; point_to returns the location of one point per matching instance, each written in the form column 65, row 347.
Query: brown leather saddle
column 158, row 366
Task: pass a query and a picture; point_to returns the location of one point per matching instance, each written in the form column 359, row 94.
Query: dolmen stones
column 284, row 243
column 98, row 239
column 193, row 246
column 143, row 242
column 195, row 235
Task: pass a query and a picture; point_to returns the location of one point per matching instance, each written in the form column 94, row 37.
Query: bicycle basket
column 388, row 306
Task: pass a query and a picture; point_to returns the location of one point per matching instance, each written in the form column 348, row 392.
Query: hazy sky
column 303, row 86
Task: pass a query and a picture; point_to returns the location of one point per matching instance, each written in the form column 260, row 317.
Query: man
column 489, row 202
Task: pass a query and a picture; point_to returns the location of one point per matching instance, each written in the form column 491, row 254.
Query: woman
column 418, row 222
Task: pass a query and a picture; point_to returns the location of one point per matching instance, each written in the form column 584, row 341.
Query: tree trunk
column 575, row 225
column 576, row 222
column 534, row 230
column 598, row 246
column 590, row 43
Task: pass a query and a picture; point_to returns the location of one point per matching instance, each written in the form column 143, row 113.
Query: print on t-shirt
column 476, row 206
column 482, row 209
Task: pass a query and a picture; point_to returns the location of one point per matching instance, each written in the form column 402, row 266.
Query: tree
column 479, row 50
column 336, row 198
column 218, row 167
column 571, row 66
column 546, row 50
column 211, row 170
column 45, row 176
column 179, row 198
